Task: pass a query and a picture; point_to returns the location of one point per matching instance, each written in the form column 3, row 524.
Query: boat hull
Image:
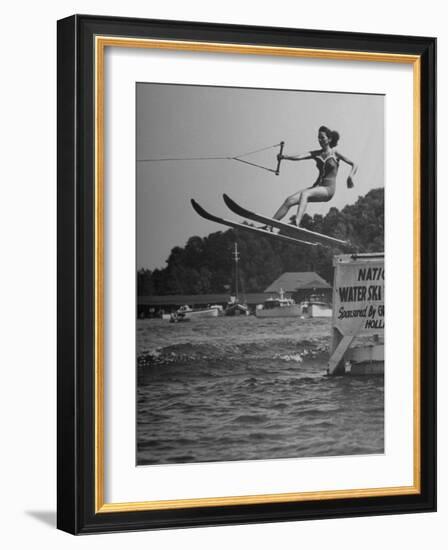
column 311, row 310
column 234, row 310
column 293, row 310
column 200, row 313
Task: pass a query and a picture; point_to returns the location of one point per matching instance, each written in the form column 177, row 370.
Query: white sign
column 358, row 294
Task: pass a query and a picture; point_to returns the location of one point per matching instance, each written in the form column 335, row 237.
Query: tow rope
column 238, row 158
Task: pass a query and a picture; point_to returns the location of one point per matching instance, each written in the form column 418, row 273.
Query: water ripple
column 238, row 389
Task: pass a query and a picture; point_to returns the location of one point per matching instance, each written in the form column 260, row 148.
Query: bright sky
column 187, row 121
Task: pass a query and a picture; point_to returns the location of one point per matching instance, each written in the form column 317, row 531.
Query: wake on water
column 247, row 388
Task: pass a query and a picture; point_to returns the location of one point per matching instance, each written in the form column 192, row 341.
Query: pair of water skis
column 286, row 232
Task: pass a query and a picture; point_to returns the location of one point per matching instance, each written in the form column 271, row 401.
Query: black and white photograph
column 260, row 273
column 204, row 199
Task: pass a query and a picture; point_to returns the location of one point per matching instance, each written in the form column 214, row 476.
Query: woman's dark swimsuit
column 328, row 170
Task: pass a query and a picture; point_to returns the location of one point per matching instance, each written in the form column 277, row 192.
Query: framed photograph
column 246, row 274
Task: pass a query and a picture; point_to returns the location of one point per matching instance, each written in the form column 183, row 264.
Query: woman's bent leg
column 289, row 202
column 314, row 194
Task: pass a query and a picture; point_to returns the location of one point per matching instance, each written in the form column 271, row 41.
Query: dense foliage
column 205, row 264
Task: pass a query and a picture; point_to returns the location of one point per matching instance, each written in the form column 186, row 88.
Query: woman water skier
column 327, row 161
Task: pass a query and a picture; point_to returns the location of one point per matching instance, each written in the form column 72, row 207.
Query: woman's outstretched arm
column 353, row 171
column 304, row 156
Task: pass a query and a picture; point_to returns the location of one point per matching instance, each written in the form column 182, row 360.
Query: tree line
column 205, row 265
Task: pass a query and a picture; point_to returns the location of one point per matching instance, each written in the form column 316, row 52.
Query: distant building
column 300, row 285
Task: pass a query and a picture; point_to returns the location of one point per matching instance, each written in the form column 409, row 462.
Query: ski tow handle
column 279, row 158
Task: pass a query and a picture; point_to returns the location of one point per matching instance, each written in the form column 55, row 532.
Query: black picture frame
column 77, row 474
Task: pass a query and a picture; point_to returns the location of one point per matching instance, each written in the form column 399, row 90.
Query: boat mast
column 236, row 257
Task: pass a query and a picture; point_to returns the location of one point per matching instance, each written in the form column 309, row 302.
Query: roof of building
column 291, row 282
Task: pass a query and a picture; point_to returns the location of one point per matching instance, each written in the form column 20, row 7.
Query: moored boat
column 314, row 306
column 279, row 307
column 188, row 313
column 234, row 307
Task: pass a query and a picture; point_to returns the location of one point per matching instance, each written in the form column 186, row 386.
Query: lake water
column 244, row 388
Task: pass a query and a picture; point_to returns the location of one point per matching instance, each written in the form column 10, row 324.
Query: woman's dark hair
column 332, row 135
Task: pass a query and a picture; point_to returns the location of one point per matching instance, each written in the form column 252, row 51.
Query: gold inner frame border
column 100, row 44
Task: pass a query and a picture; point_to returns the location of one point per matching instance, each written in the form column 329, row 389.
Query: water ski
column 286, row 229
column 229, row 223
